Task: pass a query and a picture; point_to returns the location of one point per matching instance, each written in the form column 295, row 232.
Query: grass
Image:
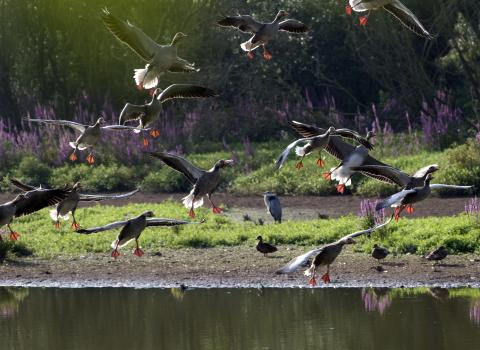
column 38, row 235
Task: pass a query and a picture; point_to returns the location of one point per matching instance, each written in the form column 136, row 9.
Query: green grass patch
column 38, row 235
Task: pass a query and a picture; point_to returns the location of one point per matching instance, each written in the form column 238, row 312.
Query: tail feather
column 145, row 78
column 121, row 244
column 55, row 216
column 300, row 151
column 187, row 201
column 248, row 46
column 309, row 272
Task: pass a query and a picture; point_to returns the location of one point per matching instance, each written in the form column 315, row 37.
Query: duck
column 204, row 182
column 379, row 253
column 89, row 136
column 131, row 230
column 29, row 202
column 146, row 114
column 395, row 176
column 159, row 58
column 325, row 256
column 273, row 205
column 265, row 248
column 320, row 142
column 437, row 255
column 405, row 199
column 69, row 204
column 396, row 8
column 349, row 156
column 262, row 32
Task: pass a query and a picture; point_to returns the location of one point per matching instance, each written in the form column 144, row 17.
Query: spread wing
column 130, row 35
column 77, row 126
column 407, row 18
column 113, row 225
column 166, row 222
column 38, row 199
column 353, row 135
column 182, row 67
column 244, row 23
column 185, row 91
column 20, row 185
column 131, row 112
column 386, row 174
column 190, row 171
column 394, row 199
column 437, row 186
column 103, row 197
column 283, row 157
column 306, row 130
column 293, row 26
column 120, row 128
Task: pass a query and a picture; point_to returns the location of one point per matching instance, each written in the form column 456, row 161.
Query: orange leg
column 90, row 159
column 340, row 188
column 13, row 235
column 299, row 165
column 364, row 19
column 348, row 10
column 266, row 54
column 140, row 87
column 73, row 156
column 138, row 252
column 155, row 133
column 57, row 225
column 250, row 55
column 215, row 209
column 320, row 163
column 397, row 211
column 191, row 213
column 327, row 175
column 145, row 142
column 75, row 226
column 410, row 209
column 326, row 278
column 115, row 254
column 313, row 281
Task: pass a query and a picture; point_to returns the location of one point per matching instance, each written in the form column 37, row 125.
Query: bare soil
column 240, row 266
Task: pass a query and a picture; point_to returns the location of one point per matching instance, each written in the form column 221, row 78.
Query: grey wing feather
column 130, row 35
column 190, row 171
column 131, row 112
column 384, row 173
column 293, row 26
column 119, row 127
column 306, row 130
column 38, row 199
column 353, row 135
column 166, row 222
column 102, row 197
column 437, row 186
column 113, row 225
column 244, row 23
column 294, row 264
column 74, row 125
column 24, row 187
column 394, row 198
column 275, row 209
column 185, row 91
column 371, row 229
column 407, row 18
column 283, row 157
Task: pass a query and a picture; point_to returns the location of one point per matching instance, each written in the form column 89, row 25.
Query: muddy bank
column 232, row 267
column 295, row 207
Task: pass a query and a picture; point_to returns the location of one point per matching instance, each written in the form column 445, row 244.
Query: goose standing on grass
column 437, row 255
column 406, row 198
column 273, row 205
column 395, row 176
column 265, row 248
column 132, row 229
column 146, row 114
column 204, row 182
column 159, row 58
column 325, row 255
column 395, row 8
column 69, row 204
column 89, row 134
column 319, row 142
column 262, row 32
column 28, row 203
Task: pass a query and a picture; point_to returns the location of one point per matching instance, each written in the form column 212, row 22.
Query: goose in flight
column 69, row 204
column 395, row 8
column 159, row 58
column 146, row 114
column 132, row 229
column 28, row 203
column 406, row 198
column 262, row 32
column 89, row 134
column 324, row 256
column 204, row 182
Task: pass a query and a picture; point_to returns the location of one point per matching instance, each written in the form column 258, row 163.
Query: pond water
column 327, row 318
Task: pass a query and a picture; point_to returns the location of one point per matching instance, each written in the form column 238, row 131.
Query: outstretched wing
column 130, row 35
column 293, row 26
column 244, row 23
column 407, row 18
column 353, row 135
column 185, row 91
column 38, row 199
column 190, row 171
column 166, row 222
column 294, row 264
column 24, row 187
column 120, row 127
column 283, row 157
column 306, row 130
column 368, row 230
column 77, row 126
column 103, row 197
column 386, row 174
column 458, row 187
column 130, row 112
column 393, row 199
column 113, row 225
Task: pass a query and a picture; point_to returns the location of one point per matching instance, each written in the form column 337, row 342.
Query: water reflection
column 195, row 319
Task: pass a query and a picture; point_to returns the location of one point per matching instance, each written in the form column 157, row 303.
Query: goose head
column 223, row 163
column 370, row 134
column 433, row 168
column 77, row 186
column 179, row 36
column 259, row 238
column 148, row 214
column 100, row 121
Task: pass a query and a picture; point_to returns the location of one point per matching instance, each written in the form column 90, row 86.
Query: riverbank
column 238, row 267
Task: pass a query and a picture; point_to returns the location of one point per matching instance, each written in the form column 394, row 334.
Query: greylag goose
column 132, row 229
column 69, row 204
column 320, row 142
column 406, row 198
column 395, row 8
column 204, row 182
column 146, row 114
column 379, row 253
column 89, row 134
column 437, row 255
column 394, row 176
column 159, row 58
column 325, row 255
column 265, row 248
column 262, row 32
column 28, row 203
column 273, row 205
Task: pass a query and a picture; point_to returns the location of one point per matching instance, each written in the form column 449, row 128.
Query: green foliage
column 32, row 170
